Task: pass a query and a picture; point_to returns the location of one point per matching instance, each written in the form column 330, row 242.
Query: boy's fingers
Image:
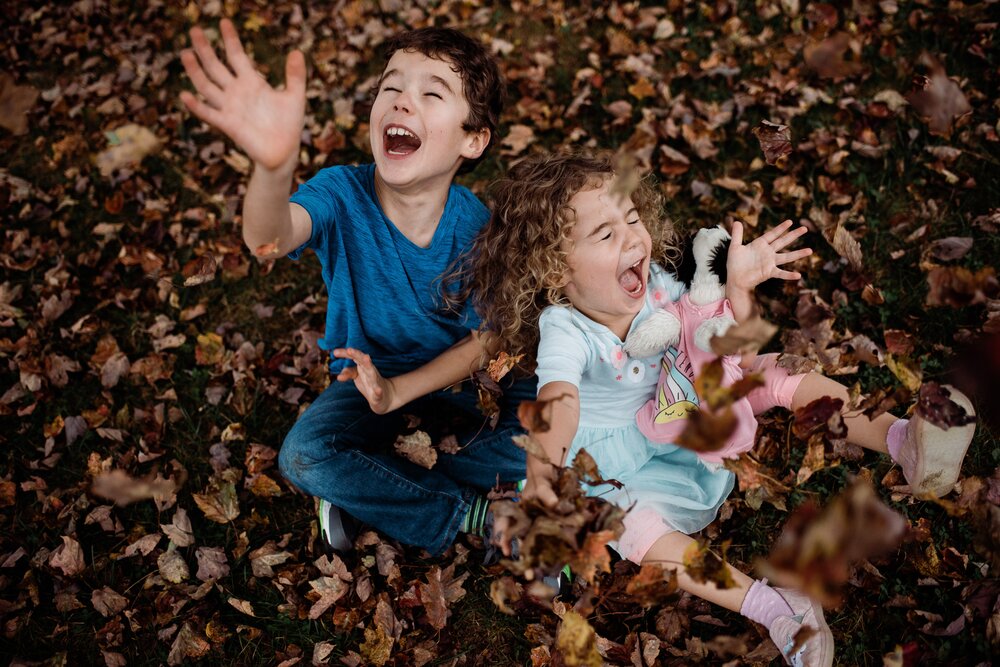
column 786, row 275
column 209, row 90
column 235, row 55
column 295, row 73
column 209, row 61
column 202, row 110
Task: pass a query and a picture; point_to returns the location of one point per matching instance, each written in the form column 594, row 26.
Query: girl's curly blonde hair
column 517, row 265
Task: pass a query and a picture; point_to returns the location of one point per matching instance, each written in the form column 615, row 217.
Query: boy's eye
column 606, row 236
column 433, row 95
column 393, row 89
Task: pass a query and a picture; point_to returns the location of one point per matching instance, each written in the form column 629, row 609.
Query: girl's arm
column 388, row 394
column 563, row 415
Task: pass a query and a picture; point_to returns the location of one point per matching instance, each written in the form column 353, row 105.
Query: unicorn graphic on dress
column 676, row 398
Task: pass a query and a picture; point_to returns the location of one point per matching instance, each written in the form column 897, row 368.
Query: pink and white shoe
column 817, row 649
column 931, row 457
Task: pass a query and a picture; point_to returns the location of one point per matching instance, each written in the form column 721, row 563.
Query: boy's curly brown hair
column 517, row 265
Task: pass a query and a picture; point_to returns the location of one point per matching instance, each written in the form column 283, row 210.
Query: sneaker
column 337, row 528
column 931, row 457
column 817, row 649
column 561, row 583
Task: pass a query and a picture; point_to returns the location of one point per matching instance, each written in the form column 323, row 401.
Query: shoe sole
column 942, row 451
column 821, row 626
column 331, row 527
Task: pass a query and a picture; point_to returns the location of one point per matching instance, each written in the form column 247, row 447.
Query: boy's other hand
column 749, row 265
column 379, row 391
column 265, row 122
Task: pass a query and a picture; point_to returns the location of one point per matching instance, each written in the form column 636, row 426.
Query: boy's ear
column 476, row 143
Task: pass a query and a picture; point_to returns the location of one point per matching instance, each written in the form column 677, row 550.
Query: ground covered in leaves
column 151, row 365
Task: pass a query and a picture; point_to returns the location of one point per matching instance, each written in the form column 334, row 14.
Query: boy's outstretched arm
column 388, row 394
column 264, row 122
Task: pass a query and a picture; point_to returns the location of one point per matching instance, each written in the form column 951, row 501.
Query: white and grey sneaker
column 337, row 528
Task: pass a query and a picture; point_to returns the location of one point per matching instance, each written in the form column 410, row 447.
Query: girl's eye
column 433, row 95
column 606, row 236
column 634, row 222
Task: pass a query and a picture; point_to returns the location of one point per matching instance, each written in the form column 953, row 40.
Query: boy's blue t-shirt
column 383, row 290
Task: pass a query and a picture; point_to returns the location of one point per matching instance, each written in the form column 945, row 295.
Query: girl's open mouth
column 632, row 280
column 399, row 141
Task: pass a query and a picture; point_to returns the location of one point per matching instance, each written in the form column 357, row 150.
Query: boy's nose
column 403, row 102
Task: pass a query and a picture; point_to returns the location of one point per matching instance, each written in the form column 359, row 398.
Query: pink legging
column 643, row 525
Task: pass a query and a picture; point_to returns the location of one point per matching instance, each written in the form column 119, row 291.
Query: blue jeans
column 343, row 452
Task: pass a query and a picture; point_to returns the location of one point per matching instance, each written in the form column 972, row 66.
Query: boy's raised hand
column 749, row 265
column 266, row 123
column 378, row 390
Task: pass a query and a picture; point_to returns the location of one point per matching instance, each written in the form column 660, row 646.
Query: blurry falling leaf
column 199, row 270
column 172, row 566
column 748, row 336
column 823, row 416
column 934, row 403
column 499, row 367
column 219, row 502
column 417, row 448
column 826, row 58
column 107, row 602
column 68, row 557
column 958, row 287
column 267, row 250
column 119, row 486
column 503, row 590
column 489, row 393
column 951, row 248
column 708, row 431
column 906, row 371
column 188, row 644
column 939, row 100
column 212, row 563
column 775, row 141
column 847, row 246
column 653, row 584
column 209, row 350
column 816, row 549
column 15, row 103
column 576, row 642
column 517, row 139
column 627, row 174
column 704, row 566
column 758, row 482
column 129, row 145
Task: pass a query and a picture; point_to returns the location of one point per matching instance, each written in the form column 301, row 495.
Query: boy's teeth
column 398, row 131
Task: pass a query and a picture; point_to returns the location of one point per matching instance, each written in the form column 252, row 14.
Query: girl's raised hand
column 749, row 265
column 379, row 391
column 266, row 123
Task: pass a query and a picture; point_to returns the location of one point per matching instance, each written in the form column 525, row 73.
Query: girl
column 564, row 267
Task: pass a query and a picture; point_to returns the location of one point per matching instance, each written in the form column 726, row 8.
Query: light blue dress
column 667, row 479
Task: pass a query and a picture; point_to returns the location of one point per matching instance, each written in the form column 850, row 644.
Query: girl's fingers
column 235, row 55
column 786, row 257
column 737, row 237
column 773, row 233
column 211, row 92
column 216, row 71
column 789, row 238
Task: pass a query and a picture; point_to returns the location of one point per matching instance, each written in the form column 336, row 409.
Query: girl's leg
column 783, row 612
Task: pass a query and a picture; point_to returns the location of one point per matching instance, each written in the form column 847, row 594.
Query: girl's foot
column 931, row 457
column 816, row 649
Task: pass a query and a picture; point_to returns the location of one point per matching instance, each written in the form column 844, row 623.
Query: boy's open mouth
column 399, row 141
column 631, row 280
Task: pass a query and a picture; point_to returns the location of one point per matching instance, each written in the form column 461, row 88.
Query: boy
column 384, row 233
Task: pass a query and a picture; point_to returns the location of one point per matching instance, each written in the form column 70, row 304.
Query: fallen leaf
column 172, row 566
column 939, row 101
column 15, row 103
column 107, row 602
column 68, row 557
column 212, row 563
column 188, row 644
column 129, row 145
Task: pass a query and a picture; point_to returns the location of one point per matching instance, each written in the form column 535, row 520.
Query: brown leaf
column 417, row 448
column 576, row 642
column 179, row 530
column 934, row 404
column 708, row 431
column 68, row 557
column 199, row 270
column 906, row 370
column 172, row 567
column 440, row 589
column 816, row 548
column 243, row 606
column 499, row 367
column 377, row 647
column 958, row 287
column 826, row 58
column 939, row 101
column 219, row 501
column 517, row 139
column 129, row 145
column 15, row 103
column 744, row 337
column 212, row 563
column 188, row 644
column 704, row 566
column 107, row 602
column 951, row 248
column 264, row 558
column 775, row 141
